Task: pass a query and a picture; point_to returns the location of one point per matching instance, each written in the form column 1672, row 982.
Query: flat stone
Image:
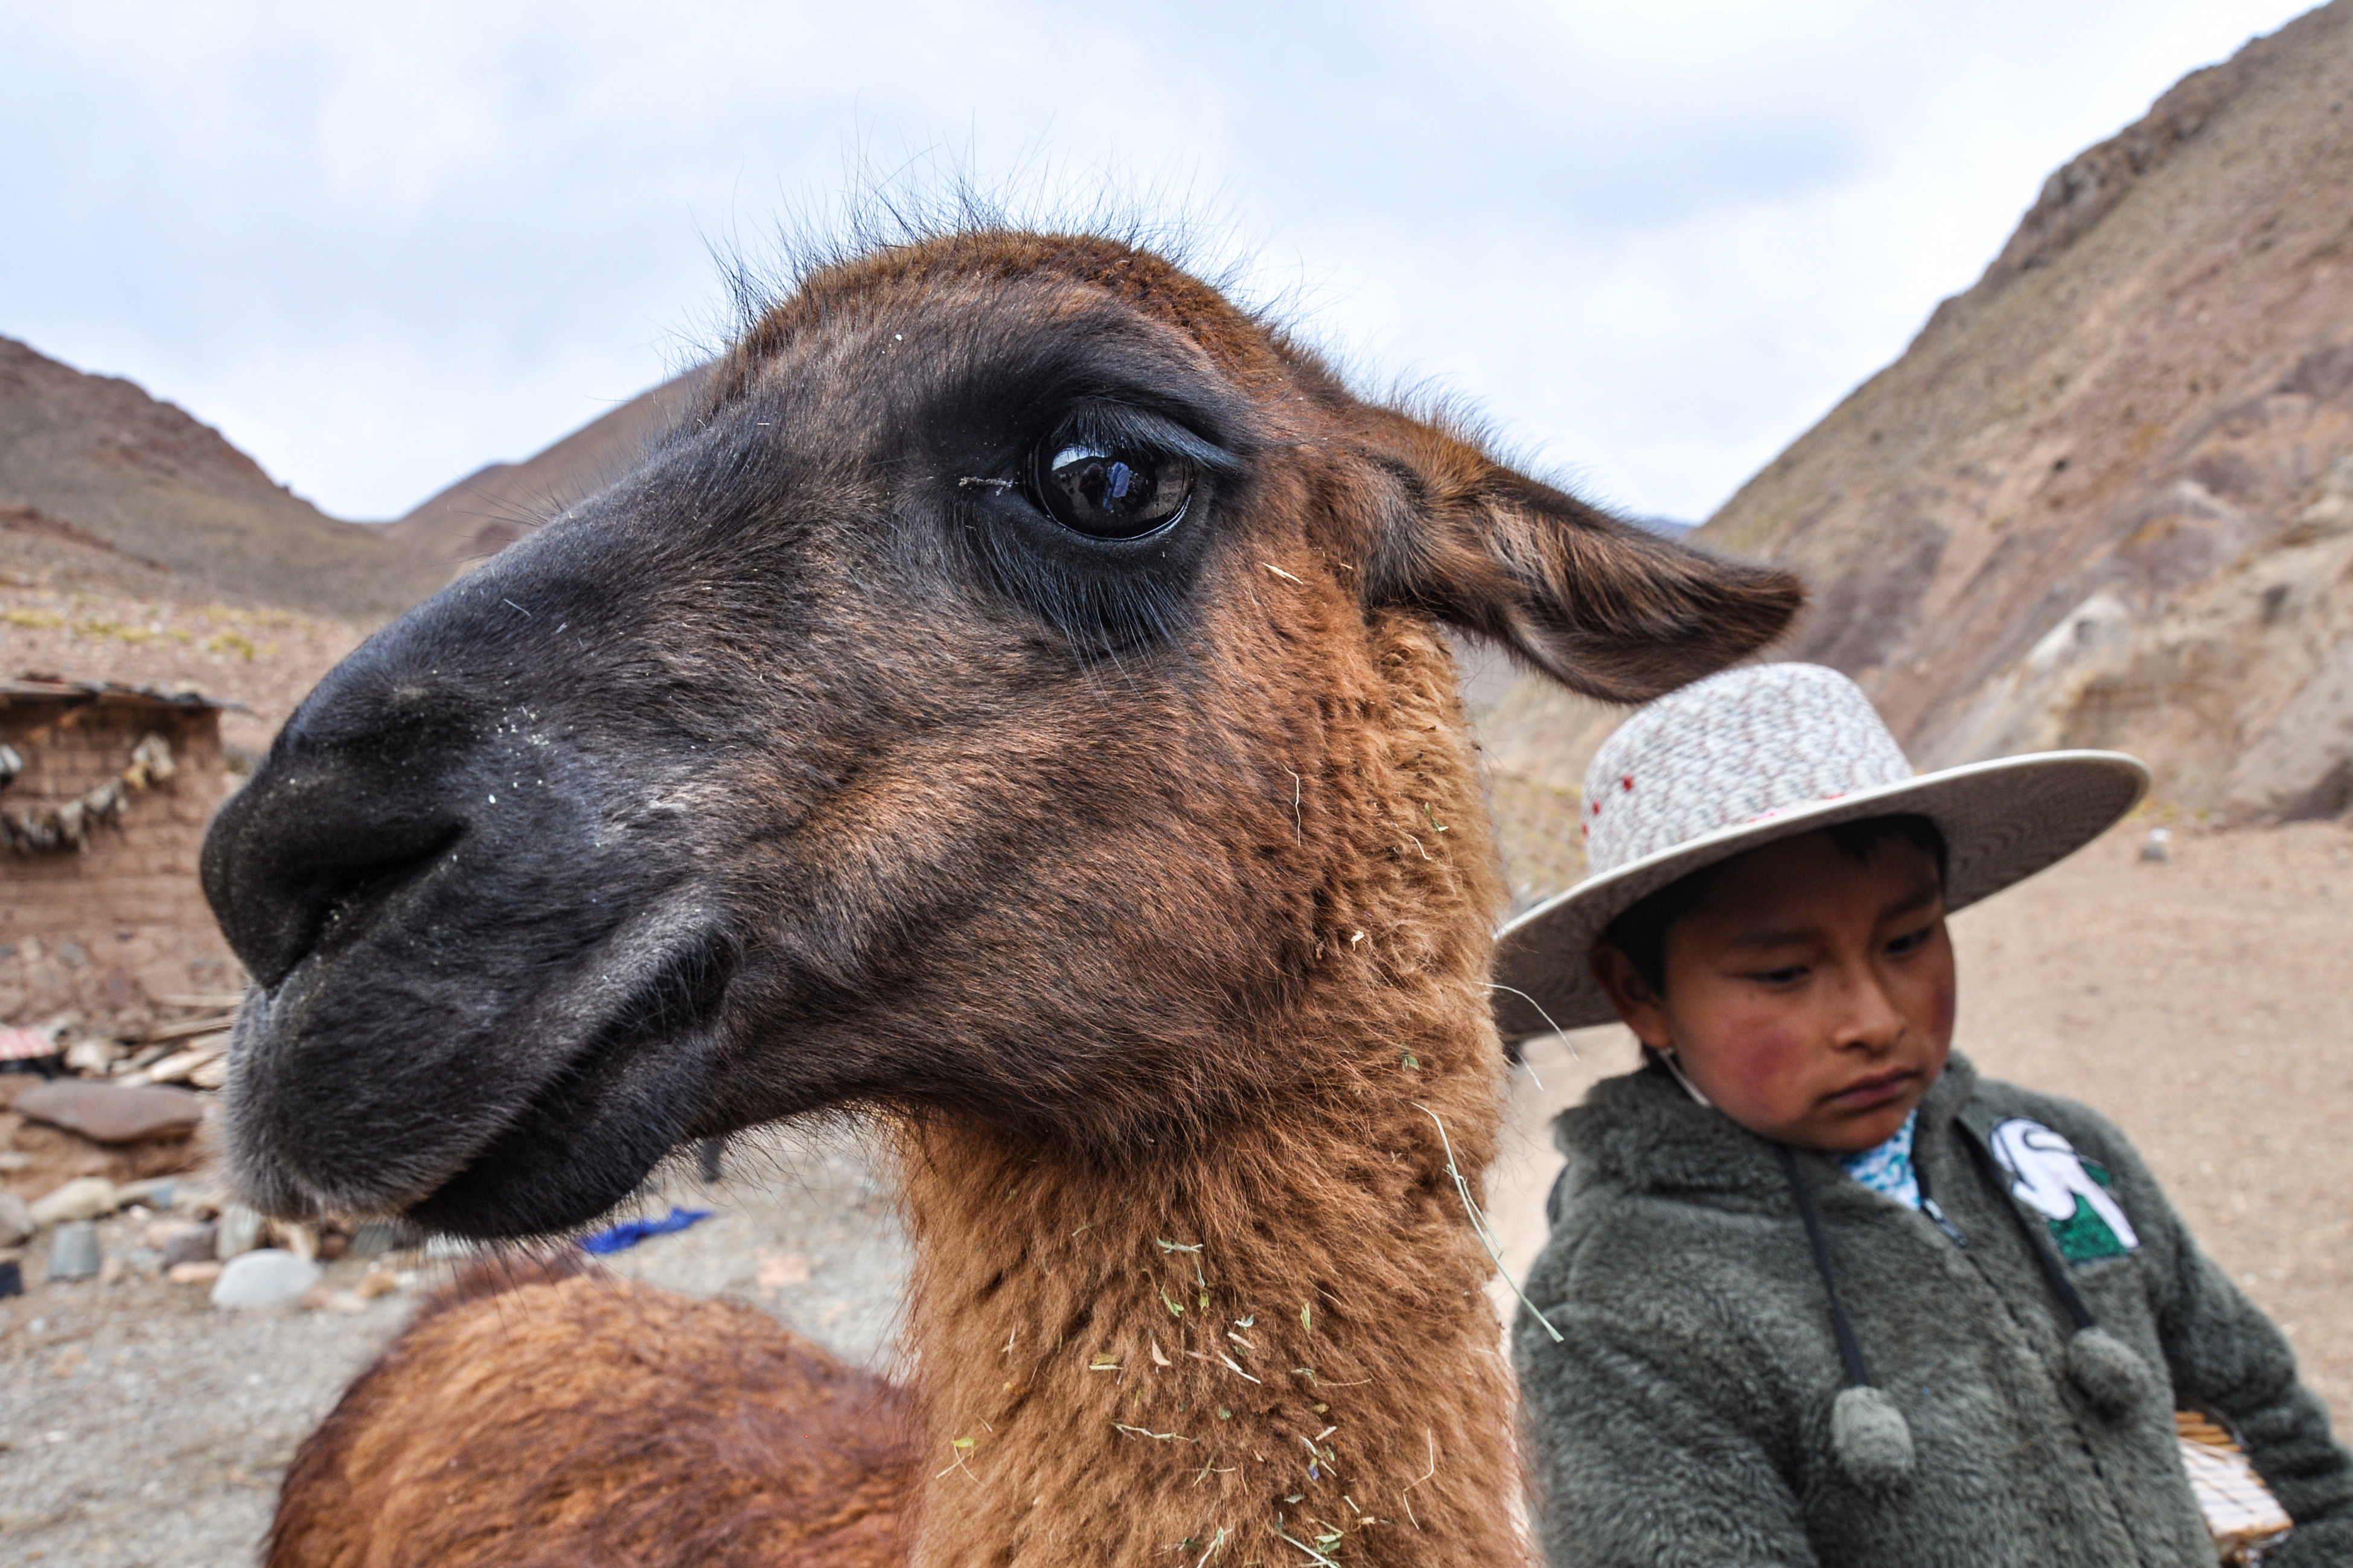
column 113, row 1112
column 84, row 1197
column 263, row 1278
column 16, row 1221
column 203, row 1273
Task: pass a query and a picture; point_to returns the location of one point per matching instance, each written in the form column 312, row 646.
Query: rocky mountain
column 490, row 508
column 106, row 484
column 2105, row 497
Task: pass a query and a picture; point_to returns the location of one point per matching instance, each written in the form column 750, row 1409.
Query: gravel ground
column 2199, row 1003
column 140, row 1427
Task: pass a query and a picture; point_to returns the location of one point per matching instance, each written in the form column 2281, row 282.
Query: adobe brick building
column 108, row 789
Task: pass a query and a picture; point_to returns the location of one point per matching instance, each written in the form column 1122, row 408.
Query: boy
column 1823, row 1294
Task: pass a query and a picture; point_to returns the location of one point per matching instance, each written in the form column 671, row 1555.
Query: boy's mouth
column 1877, row 1089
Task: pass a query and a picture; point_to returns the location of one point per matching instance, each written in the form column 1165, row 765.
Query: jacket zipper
column 1934, row 1210
column 1928, row 1207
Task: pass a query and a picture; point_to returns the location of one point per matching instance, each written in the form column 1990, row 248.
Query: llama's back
column 553, row 1414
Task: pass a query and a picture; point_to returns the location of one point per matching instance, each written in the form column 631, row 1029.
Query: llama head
column 955, row 714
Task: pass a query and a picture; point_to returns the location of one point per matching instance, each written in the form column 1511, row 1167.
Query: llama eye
column 1108, row 490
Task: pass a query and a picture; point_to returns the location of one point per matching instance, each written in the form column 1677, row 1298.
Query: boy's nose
column 1871, row 1020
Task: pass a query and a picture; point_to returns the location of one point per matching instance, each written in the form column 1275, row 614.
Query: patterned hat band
column 1743, row 746
column 1752, row 755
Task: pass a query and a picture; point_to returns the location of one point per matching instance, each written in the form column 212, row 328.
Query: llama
column 1012, row 707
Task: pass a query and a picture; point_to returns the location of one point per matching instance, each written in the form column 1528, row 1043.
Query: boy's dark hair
column 1641, row 934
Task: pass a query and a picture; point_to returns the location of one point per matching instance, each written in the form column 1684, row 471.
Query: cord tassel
column 1869, row 1437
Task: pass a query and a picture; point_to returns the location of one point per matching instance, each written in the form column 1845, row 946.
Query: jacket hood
column 1642, row 1130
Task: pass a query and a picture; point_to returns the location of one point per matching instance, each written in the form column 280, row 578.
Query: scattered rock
column 73, row 1250
column 196, row 1199
column 53, row 1154
column 112, row 1113
column 778, row 1269
column 200, row 1273
column 157, row 1191
column 376, row 1283
column 323, row 1298
column 93, row 1055
column 239, row 1231
column 12, row 1277
column 83, row 1198
column 182, row 1065
column 184, row 1241
column 110, row 1271
column 263, row 1278
column 2160, row 847
column 16, row 1221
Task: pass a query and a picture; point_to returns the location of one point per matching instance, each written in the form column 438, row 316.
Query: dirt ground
column 2199, row 1003
column 137, row 1425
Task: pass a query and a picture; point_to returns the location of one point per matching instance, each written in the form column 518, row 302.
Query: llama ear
column 1603, row 606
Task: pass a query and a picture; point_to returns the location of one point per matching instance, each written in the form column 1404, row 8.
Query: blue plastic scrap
column 631, row 1232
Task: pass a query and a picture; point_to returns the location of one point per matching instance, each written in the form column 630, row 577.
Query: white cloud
column 381, row 248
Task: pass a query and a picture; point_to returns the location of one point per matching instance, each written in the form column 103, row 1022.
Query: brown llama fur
column 720, row 1437
column 1140, row 893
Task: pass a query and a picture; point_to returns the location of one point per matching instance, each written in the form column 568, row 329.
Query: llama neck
column 1271, row 1343
column 1267, row 1341
column 1289, row 1337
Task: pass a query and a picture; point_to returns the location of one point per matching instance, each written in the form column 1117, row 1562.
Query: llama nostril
column 291, row 857
column 342, row 892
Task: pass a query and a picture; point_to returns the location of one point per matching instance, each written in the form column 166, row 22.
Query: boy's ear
column 1638, row 1007
column 1600, row 605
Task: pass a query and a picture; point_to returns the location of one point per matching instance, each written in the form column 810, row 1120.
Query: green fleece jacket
column 1688, row 1418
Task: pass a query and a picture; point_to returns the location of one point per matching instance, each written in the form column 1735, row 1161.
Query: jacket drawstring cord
column 2106, row 1371
column 1869, row 1437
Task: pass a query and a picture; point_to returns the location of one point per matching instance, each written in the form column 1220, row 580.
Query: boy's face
column 1810, row 997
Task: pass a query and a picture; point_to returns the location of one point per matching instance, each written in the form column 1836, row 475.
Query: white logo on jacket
column 2051, row 1176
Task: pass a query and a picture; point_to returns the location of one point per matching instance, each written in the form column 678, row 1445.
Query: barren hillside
column 103, row 482
column 2105, row 498
column 492, row 508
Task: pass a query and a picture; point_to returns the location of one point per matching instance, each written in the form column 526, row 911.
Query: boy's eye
column 1789, row 975
column 1910, row 941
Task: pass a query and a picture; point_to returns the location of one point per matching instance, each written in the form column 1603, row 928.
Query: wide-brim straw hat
column 1766, row 752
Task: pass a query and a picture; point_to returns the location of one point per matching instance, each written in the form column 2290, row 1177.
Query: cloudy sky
column 380, row 246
